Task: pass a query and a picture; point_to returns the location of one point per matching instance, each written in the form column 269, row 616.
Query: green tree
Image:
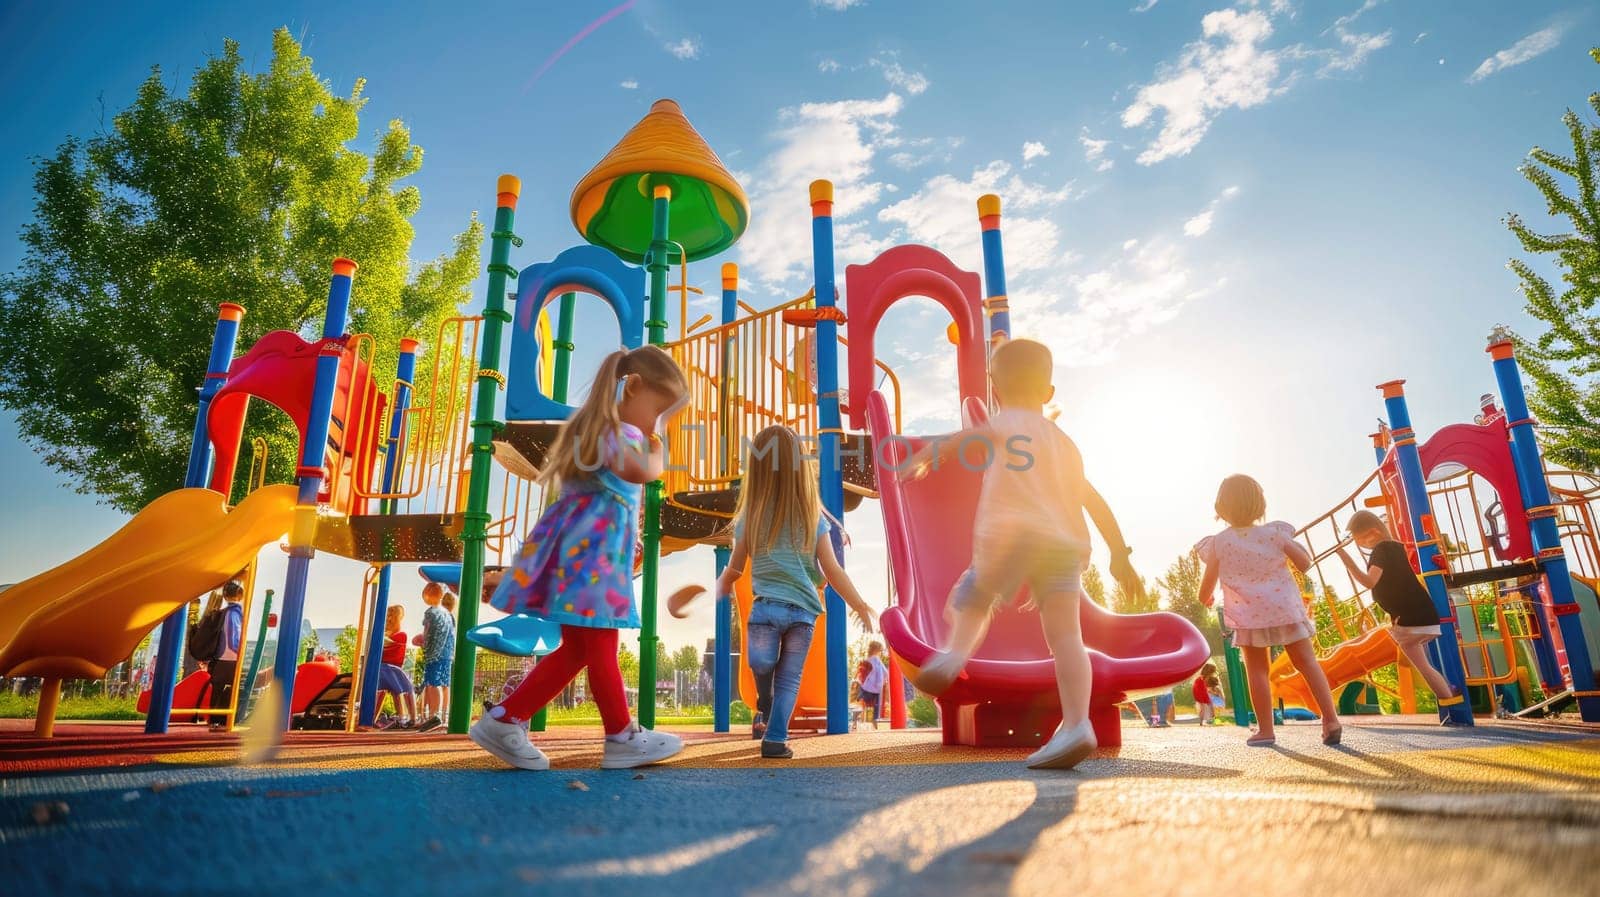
column 1124, row 603
column 1094, row 585
column 242, row 188
column 345, row 644
column 1182, row 585
column 628, row 662
column 663, row 662
column 310, row 642
column 686, row 660
column 1562, row 362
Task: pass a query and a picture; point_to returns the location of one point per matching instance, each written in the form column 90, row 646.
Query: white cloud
column 684, row 48
column 1095, row 150
column 1232, row 66
column 1200, row 225
column 828, row 65
column 1229, row 67
column 1146, row 5
column 630, row 84
column 899, row 76
column 1353, row 52
column 1419, row 38
column 1535, row 44
column 943, row 214
column 835, row 140
column 1147, row 285
column 836, row 5
column 1366, row 7
column 1033, row 149
column 1115, row 47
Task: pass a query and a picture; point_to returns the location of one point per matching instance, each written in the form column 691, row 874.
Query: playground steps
column 391, row 538
column 1548, row 707
column 522, row 445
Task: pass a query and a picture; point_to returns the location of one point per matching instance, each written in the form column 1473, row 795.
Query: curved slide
column 1007, row 695
column 1349, row 661
column 87, row 615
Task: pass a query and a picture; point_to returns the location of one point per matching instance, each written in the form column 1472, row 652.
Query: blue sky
column 1229, row 221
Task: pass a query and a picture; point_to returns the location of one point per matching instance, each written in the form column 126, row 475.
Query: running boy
column 1029, row 529
column 1414, row 622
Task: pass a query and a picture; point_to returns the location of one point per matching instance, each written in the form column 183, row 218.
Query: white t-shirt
column 1258, row 591
column 1033, row 486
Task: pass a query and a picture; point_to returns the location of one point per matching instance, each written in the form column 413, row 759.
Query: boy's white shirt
column 1010, row 502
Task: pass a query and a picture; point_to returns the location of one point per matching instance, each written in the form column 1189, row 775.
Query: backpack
column 205, row 642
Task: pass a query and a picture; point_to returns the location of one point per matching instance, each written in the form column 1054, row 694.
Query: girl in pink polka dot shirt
column 1261, row 603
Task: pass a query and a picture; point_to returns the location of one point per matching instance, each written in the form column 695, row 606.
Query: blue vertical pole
column 169, row 657
column 309, row 480
column 722, row 658
column 1454, row 711
column 1542, row 525
column 829, row 427
column 405, row 372
column 994, row 269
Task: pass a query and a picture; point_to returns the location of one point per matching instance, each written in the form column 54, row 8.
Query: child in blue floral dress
column 576, row 567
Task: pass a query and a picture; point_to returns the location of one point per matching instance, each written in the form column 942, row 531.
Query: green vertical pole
column 558, row 391
column 255, row 660
column 564, row 347
column 657, row 264
column 1238, row 683
column 475, row 521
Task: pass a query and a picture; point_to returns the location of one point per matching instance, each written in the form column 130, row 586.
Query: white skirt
column 1273, row 636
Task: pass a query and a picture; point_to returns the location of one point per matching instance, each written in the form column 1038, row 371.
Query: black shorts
column 869, row 698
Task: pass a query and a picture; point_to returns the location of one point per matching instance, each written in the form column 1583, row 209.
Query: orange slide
column 79, row 619
column 1350, row 661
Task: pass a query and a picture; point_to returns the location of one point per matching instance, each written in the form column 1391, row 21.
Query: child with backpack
column 215, row 643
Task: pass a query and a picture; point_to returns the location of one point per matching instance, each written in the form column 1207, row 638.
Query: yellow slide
column 87, row 615
column 1348, row 662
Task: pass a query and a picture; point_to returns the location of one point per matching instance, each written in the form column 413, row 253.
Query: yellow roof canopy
column 612, row 204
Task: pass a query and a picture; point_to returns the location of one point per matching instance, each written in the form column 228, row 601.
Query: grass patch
column 13, row 706
column 588, row 714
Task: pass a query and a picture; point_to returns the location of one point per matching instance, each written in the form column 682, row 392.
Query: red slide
column 1008, row 694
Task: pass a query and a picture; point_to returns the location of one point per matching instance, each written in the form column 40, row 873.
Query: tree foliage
column 345, row 644
column 1124, row 603
column 242, row 188
column 1094, row 584
column 687, row 659
column 1181, row 582
column 1562, row 363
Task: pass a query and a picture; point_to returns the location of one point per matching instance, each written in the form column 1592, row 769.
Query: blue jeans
column 776, row 640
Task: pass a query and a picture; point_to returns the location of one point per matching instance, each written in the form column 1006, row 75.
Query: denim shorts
column 393, row 679
column 999, row 570
column 436, row 672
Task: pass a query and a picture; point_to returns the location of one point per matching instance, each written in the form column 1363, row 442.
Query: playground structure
column 1508, row 549
column 426, row 472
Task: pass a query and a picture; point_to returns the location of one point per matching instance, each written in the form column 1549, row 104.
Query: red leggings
column 581, row 646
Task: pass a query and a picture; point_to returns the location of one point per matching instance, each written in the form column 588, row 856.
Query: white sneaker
column 509, row 742
column 643, row 747
column 1066, row 748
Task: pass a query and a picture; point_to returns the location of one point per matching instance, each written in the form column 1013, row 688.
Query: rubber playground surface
column 1403, row 806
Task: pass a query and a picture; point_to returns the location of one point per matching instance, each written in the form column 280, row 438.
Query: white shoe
column 509, row 742
column 1066, row 748
column 643, row 747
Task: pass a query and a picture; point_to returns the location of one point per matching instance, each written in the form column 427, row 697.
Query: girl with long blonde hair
column 576, row 566
column 780, row 528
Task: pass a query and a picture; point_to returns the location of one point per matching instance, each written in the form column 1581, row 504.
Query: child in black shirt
column 1396, row 589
